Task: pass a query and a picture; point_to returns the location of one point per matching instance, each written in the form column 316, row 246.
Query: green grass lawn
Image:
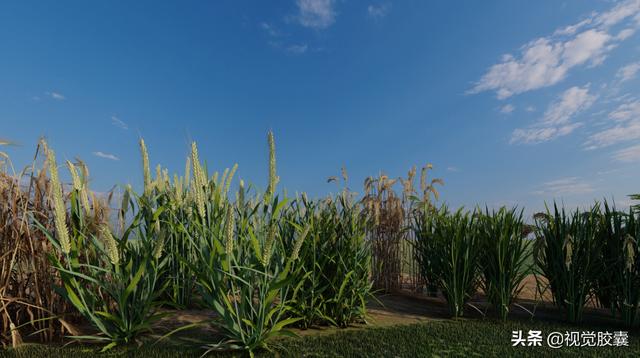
column 438, row 338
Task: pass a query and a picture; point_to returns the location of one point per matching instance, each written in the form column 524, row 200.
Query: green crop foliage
column 505, row 257
column 567, row 253
column 447, row 247
column 332, row 280
column 112, row 282
column 618, row 286
column 241, row 267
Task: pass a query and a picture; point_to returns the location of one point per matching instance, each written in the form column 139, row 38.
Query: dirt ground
column 406, row 308
column 403, row 307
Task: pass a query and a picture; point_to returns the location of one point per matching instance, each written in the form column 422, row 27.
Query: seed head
column 179, row 193
column 568, row 243
column 145, row 168
column 241, row 194
column 229, row 179
column 159, row 182
column 268, row 245
column 79, row 184
column 198, row 182
column 273, row 178
column 59, row 210
column 110, row 244
column 299, row 242
column 629, row 251
column 230, row 222
column 157, row 251
column 75, row 178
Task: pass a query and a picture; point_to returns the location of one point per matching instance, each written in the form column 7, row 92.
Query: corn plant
column 112, row 282
column 505, row 257
column 567, row 253
column 448, row 249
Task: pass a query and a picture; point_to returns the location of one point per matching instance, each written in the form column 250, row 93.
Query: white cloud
column 378, row 11
column 530, row 109
column 572, row 29
column 565, row 186
column 56, row 95
column 588, row 46
column 625, row 34
column 453, row 169
column 297, row 49
column 119, row 123
column 626, row 127
column 626, row 111
column 538, row 67
column 608, row 171
column 543, row 134
column 316, row 14
column 573, row 101
column 546, row 61
column 614, row 135
column 630, row 154
column 507, row 109
column 105, row 155
column 628, row 72
column 270, row 29
column 621, row 11
column 556, row 121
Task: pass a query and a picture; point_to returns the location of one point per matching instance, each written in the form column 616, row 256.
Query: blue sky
column 514, row 102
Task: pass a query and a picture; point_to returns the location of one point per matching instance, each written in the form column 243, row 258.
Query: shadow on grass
column 401, row 326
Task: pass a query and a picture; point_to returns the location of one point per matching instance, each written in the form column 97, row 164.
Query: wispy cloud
column 542, row 134
column 56, row 95
column 316, row 14
column 270, row 29
column 105, row 155
column 625, row 126
column 628, row 72
column 626, row 111
column 608, row 171
column 572, row 29
column 530, row 109
column 378, row 11
column 557, row 119
column 119, row 123
column 453, row 169
column 547, row 60
column 297, row 49
column 564, row 186
column 630, row 154
column 507, row 109
column 573, row 101
column 614, row 135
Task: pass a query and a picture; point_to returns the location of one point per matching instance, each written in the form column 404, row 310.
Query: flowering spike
column 145, row 168
column 59, row 210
